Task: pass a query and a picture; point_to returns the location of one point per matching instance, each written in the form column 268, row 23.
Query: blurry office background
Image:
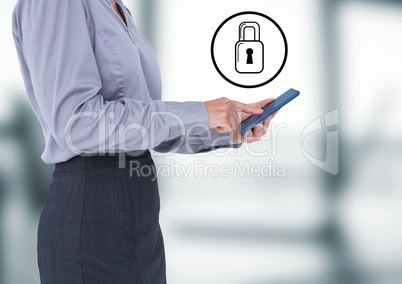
column 310, row 226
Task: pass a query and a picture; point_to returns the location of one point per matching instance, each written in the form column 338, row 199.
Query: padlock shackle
column 242, row 30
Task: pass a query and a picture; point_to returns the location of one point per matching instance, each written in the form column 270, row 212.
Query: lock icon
column 249, row 56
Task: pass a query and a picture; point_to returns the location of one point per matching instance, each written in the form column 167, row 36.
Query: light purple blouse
column 95, row 85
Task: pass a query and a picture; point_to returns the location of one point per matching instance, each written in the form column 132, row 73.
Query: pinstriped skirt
column 100, row 223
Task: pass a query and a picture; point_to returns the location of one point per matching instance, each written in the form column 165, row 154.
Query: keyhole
column 249, row 52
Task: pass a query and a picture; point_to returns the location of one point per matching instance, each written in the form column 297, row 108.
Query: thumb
column 262, row 103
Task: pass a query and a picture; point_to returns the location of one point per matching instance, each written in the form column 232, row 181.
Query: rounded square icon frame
column 284, row 58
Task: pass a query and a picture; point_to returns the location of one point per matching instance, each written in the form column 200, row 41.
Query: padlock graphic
column 249, row 49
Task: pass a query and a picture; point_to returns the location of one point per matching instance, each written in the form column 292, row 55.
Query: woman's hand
column 225, row 115
column 258, row 131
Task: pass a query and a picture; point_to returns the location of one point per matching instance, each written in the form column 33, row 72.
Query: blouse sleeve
column 58, row 64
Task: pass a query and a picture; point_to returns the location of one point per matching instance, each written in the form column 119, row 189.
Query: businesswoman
column 94, row 85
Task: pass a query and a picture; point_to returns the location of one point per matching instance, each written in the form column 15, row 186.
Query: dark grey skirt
column 100, row 223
